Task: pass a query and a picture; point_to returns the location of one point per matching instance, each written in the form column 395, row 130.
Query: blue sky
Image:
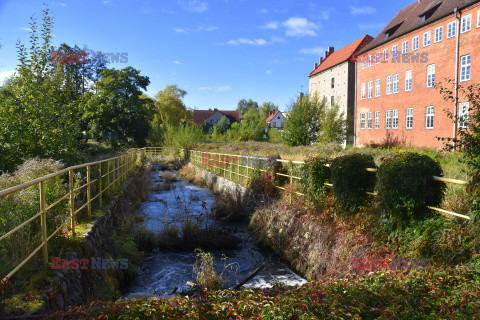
column 219, row 51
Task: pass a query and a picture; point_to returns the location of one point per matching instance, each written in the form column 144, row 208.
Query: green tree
column 222, row 126
column 244, row 105
column 303, row 122
column 117, row 112
column 265, row 109
column 253, row 127
column 34, row 118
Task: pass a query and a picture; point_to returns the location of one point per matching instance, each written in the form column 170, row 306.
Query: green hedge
column 351, row 179
column 315, row 174
column 406, row 187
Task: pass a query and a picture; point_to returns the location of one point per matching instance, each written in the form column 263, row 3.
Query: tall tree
column 266, row 108
column 244, row 105
column 117, row 112
column 169, row 107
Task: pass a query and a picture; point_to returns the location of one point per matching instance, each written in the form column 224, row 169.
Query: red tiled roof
column 199, row 116
column 409, row 18
column 342, row 55
column 270, row 118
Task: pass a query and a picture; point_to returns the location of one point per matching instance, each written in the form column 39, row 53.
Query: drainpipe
column 457, row 49
column 354, row 107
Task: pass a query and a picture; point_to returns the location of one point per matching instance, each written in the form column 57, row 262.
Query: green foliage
column 275, row 136
column 406, row 187
column 315, row 174
column 253, row 128
column 183, row 137
column 245, row 105
column 265, row 109
column 351, row 179
column 222, row 126
column 116, row 112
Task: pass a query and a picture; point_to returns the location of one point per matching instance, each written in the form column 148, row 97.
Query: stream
column 162, row 272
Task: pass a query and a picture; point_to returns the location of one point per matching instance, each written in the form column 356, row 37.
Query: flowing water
column 162, row 272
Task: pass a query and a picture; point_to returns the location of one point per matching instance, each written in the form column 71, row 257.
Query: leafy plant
column 406, row 187
column 315, row 174
column 351, row 180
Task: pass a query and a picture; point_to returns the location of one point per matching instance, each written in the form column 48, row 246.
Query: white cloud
column 271, row 25
column 255, row 42
column 362, row 10
column 371, row 26
column 4, row 75
column 182, row 30
column 106, row 2
column 318, row 51
column 268, row 72
column 63, row 4
column 198, row 6
column 177, row 62
column 216, row 89
column 263, row 11
column 26, row 29
column 299, row 27
column 207, row 28
column 146, row 10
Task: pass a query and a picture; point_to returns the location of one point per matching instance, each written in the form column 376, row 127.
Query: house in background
column 426, row 43
column 276, row 119
column 334, row 80
column 212, row 117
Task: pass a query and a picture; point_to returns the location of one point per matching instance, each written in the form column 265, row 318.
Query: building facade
column 276, row 120
column 428, row 43
column 212, row 117
column 334, row 80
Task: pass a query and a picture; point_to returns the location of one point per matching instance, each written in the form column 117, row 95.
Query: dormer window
column 422, row 18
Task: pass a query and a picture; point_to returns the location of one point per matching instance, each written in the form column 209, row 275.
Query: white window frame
column 430, row 117
column 478, row 19
column 465, row 67
column 388, row 119
column 370, row 89
column 438, row 34
column 408, row 80
column 377, row 119
column 377, row 88
column 364, row 63
column 427, row 38
column 362, row 120
column 395, row 119
column 377, row 58
column 464, row 26
column 394, row 51
column 389, row 85
column 405, row 47
column 362, row 91
column 385, row 54
column 415, row 43
column 409, row 118
column 370, row 60
column 396, row 83
column 430, row 76
column 451, row 29
column 463, row 115
column 369, row 120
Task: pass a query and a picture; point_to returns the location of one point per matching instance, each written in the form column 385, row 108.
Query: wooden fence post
column 44, row 221
column 89, row 195
column 108, row 177
column 100, row 184
column 72, row 201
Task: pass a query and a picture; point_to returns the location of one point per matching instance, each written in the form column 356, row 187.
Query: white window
column 408, row 80
column 451, row 28
column 405, row 47
column 430, row 115
column 364, row 62
column 466, row 23
column 409, row 119
column 377, row 58
column 388, row 119
column 430, row 75
column 465, row 68
column 394, row 51
column 438, row 34
column 362, row 120
column 377, row 88
column 395, row 119
column 415, row 43
column 363, row 91
column 463, row 115
column 377, row 119
column 369, row 120
column 369, row 61
column 385, row 54
column 396, row 82
column 478, row 19
column 389, row 85
column 426, row 39
column 370, row 89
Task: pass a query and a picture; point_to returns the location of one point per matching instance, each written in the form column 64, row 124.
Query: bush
column 315, row 174
column 406, row 187
column 351, row 179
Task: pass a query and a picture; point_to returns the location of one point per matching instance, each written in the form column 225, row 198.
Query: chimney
column 316, row 65
column 326, row 54
column 331, row 50
column 321, row 60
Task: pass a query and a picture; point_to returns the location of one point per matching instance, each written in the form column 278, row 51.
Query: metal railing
column 98, row 179
column 239, row 168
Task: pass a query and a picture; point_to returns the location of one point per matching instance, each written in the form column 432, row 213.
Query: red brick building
column 425, row 44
